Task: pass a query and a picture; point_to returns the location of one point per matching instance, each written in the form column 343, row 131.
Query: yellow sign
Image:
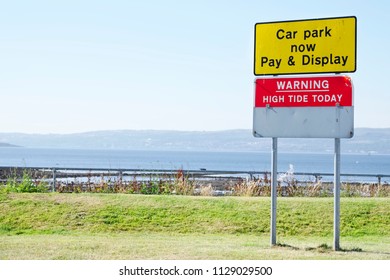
column 305, row 46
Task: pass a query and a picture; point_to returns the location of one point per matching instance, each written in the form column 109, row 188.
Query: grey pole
column 274, row 170
column 336, row 192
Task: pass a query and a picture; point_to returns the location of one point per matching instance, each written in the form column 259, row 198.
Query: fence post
column 120, row 177
column 53, row 187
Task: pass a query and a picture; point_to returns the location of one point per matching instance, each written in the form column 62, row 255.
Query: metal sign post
column 274, row 173
column 305, row 106
column 336, row 193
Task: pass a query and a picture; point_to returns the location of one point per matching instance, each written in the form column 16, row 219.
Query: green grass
column 119, row 226
column 156, row 246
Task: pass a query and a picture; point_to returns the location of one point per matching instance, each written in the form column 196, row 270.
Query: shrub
column 26, row 185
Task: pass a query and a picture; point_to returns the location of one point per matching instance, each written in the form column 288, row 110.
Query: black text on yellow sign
column 305, row 46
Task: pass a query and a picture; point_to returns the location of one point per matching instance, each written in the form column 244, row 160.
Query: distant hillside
column 7, row 145
column 366, row 140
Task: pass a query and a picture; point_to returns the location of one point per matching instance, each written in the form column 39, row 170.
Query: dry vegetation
column 181, row 184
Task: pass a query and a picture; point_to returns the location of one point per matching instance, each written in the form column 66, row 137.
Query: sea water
column 192, row 160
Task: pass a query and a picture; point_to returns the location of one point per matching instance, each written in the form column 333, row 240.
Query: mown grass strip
column 167, row 246
column 49, row 213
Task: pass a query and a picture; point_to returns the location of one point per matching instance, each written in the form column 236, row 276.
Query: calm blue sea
column 190, row 160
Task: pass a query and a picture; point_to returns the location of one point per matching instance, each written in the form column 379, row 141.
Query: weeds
column 257, row 187
column 25, row 185
column 180, row 183
column 206, row 190
column 177, row 184
column 323, row 248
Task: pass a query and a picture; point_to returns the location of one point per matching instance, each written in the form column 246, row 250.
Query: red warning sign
column 323, row 91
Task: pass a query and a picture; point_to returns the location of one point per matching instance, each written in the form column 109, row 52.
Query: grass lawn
column 155, row 246
column 119, row 226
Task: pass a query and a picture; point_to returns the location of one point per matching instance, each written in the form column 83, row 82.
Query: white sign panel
column 304, row 107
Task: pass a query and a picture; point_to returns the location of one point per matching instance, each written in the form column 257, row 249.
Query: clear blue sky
column 73, row 66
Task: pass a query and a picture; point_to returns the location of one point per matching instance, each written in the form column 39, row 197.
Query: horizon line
column 151, row 129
